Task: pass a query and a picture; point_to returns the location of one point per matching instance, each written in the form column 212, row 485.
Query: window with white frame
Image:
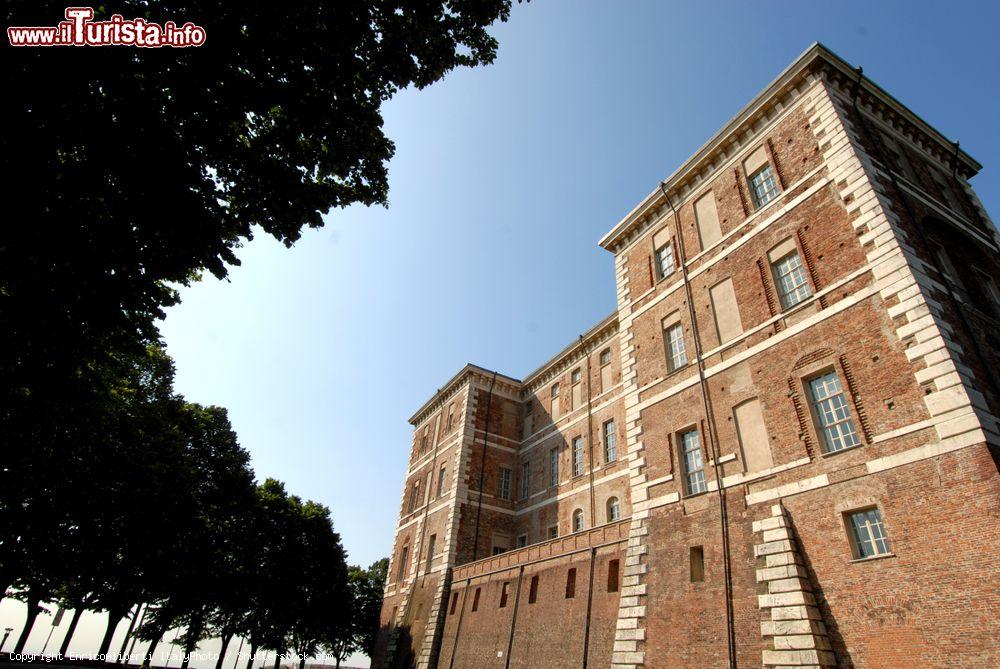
column 525, row 480
column 673, row 336
column 554, row 467
column 576, row 376
column 578, row 520
column 763, row 186
column 606, row 357
column 577, row 456
column 664, row 260
column 791, row 280
column 694, row 465
column 610, row 442
column 867, row 533
column 503, row 483
column 837, row 430
column 614, row 509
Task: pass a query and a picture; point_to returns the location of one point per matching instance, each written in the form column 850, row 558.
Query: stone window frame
column 577, row 521
column 771, row 163
column 847, row 517
column 603, row 362
column 777, row 254
column 840, row 513
column 805, row 374
column 608, row 506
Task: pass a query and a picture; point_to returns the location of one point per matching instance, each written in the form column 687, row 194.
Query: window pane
column 836, row 425
column 577, row 456
column 676, row 353
column 868, row 533
column 610, row 442
column 665, row 260
column 554, row 466
column 763, row 186
column 694, row 467
column 790, row 277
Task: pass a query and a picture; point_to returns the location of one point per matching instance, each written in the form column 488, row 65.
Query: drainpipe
column 482, row 469
column 713, row 435
column 590, row 441
column 590, row 604
column 513, row 618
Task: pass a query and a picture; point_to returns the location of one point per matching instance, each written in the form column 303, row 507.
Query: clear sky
column 504, row 179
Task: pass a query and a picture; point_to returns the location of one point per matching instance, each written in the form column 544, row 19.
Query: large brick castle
column 781, row 450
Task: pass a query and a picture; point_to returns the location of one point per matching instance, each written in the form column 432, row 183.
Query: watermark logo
column 80, row 29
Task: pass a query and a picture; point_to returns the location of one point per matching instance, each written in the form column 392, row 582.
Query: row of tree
column 152, row 501
column 132, row 177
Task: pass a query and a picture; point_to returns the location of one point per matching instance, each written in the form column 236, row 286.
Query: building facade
column 781, row 450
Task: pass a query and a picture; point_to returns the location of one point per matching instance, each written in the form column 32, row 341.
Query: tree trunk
column 152, row 648
column 277, row 660
column 114, row 617
column 191, row 638
column 29, row 623
column 77, row 611
column 128, row 633
column 253, row 654
column 336, row 660
column 226, row 638
column 302, row 661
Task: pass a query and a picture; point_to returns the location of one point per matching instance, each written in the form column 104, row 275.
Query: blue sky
column 504, row 179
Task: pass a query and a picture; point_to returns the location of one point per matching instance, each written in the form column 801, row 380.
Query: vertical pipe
column 713, row 436
column 513, row 618
column 590, row 604
column 482, row 469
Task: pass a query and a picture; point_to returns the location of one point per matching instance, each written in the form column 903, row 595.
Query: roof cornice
column 455, row 383
column 812, row 61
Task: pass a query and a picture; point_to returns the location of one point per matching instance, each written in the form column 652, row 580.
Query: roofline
column 601, row 325
column 454, row 382
column 789, row 74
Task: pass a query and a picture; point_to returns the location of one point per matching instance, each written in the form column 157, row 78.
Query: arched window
column 614, row 510
column 578, row 520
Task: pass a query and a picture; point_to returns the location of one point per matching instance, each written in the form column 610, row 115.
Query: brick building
column 780, row 450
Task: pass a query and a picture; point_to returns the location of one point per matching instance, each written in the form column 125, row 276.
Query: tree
column 366, row 589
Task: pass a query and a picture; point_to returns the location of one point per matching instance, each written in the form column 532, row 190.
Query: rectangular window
column 454, row 603
column 694, row 466
column 522, row 541
column 403, row 557
column 571, row 583
column 728, row 324
column 553, row 532
column 503, row 593
column 414, row 496
column 610, row 442
column 830, row 406
column 868, row 537
column 503, row 483
column 554, row 411
column 430, row 552
column 475, row 600
column 665, row 260
column 673, row 336
column 706, row 214
column 752, row 435
column 441, row 476
column 533, row 590
column 499, row 550
column 577, row 456
column 697, row 564
column 451, row 416
column 791, row 280
column 606, row 370
column 554, row 467
column 525, row 480
column 989, row 288
column 423, row 441
column 576, row 377
column 613, row 576
column 763, row 186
